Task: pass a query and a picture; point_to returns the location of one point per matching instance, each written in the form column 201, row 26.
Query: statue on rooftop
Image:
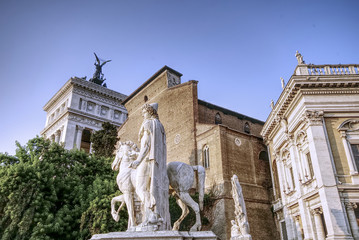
column 299, row 58
column 282, row 82
column 98, row 76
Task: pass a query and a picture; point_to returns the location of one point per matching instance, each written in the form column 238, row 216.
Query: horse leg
column 185, row 212
column 130, row 209
column 186, row 198
column 114, row 213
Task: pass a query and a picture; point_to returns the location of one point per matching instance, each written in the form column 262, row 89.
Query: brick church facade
column 223, row 141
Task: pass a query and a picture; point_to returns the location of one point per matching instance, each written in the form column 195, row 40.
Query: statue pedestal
column 247, row 237
column 165, row 235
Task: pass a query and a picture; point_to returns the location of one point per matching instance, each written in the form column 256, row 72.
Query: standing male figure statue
column 152, row 183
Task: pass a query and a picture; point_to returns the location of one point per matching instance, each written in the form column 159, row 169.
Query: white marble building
column 79, row 108
column 312, row 135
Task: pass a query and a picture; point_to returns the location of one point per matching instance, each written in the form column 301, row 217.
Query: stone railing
column 339, row 69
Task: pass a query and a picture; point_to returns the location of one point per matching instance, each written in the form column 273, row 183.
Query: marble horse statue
column 181, row 177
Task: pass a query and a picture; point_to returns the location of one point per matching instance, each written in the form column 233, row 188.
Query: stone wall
column 207, row 114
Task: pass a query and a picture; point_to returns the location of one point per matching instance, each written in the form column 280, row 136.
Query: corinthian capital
column 350, row 205
column 313, row 118
column 316, row 211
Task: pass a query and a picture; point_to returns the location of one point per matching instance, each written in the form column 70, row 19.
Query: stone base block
column 247, row 237
column 165, row 235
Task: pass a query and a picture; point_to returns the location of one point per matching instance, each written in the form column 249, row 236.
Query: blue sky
column 237, row 50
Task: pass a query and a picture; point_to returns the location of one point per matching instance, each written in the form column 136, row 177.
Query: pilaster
column 328, row 192
column 350, row 206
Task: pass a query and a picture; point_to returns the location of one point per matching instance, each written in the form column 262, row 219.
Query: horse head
column 126, row 149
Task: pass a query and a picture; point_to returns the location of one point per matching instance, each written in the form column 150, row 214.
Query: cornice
column 57, row 95
column 82, row 83
column 308, row 85
column 58, row 120
column 79, row 113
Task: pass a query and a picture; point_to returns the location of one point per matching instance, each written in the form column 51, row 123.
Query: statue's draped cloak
column 157, row 159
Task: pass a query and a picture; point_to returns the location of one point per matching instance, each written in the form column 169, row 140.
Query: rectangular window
column 355, row 151
column 80, row 104
column 206, row 156
column 310, row 166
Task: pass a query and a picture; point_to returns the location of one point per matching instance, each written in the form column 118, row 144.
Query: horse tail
column 201, row 178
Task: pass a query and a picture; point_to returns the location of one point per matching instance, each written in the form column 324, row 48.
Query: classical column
column 318, row 223
column 79, row 136
column 350, row 206
column 298, row 227
column 57, row 136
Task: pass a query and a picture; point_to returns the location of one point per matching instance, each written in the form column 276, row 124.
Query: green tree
column 104, row 140
column 47, row 192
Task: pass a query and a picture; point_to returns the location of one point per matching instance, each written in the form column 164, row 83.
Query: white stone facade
column 79, row 108
column 312, row 135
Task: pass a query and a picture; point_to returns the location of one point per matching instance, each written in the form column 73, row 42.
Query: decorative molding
column 80, row 128
column 54, row 126
column 313, row 118
column 349, row 125
column 350, row 205
column 172, row 80
column 237, row 141
column 177, row 139
column 95, row 96
column 84, row 120
column 317, row 211
column 301, row 138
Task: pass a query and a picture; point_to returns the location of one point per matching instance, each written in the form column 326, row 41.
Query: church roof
column 154, row 76
column 229, row 112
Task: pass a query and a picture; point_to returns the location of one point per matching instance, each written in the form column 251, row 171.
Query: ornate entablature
column 309, row 80
column 84, row 120
column 51, row 129
column 97, row 88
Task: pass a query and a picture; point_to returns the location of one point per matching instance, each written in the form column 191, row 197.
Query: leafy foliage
column 104, row 140
column 47, row 192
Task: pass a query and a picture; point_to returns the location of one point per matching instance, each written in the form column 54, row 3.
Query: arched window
column 218, row 119
column 247, row 128
column 145, row 98
column 205, row 154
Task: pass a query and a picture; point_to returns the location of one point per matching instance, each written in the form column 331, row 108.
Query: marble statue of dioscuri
column 148, row 177
column 240, row 226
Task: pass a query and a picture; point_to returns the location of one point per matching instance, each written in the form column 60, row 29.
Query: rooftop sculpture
column 98, row 76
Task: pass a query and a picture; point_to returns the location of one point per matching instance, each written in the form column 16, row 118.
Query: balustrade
column 332, row 69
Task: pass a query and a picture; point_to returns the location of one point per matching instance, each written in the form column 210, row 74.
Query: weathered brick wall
column 232, row 152
column 207, row 113
column 176, row 106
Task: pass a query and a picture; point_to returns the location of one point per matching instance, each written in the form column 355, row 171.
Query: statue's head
column 150, row 110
